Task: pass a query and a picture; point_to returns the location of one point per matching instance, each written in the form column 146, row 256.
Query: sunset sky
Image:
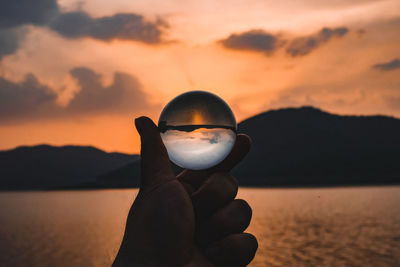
column 79, row 72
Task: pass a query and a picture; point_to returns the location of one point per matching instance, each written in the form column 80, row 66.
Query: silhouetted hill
column 43, row 166
column 306, row 147
column 127, row 176
column 291, row 147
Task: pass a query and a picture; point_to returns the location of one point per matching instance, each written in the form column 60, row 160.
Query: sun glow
column 197, row 118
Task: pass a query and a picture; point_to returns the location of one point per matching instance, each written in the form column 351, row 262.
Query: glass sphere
column 198, row 129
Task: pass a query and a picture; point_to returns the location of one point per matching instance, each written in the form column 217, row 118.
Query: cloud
column 30, row 100
column 212, row 138
column 124, row 94
column 20, row 12
column 78, row 24
column 262, row 41
column 388, row 66
column 10, row 40
column 304, row 45
column 22, row 99
column 253, row 40
column 125, row 26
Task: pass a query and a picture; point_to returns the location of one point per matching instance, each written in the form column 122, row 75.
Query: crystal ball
column 198, row 129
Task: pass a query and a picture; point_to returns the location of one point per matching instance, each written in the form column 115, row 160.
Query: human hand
column 187, row 220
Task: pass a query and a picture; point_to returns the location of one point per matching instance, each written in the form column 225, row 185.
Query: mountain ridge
column 45, row 166
column 308, row 142
column 291, row 147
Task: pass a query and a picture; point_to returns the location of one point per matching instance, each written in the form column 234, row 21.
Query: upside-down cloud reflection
column 199, row 149
column 198, row 129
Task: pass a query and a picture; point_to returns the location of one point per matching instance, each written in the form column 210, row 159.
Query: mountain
column 127, row 176
column 307, row 147
column 291, row 147
column 44, row 166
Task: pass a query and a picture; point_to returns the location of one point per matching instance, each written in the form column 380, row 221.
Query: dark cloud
column 262, row 41
column 19, row 12
column 10, row 40
column 46, row 13
column 127, row 26
column 212, row 138
column 124, row 94
column 25, row 98
column 388, row 66
column 29, row 99
column 304, row 45
column 254, row 40
column 16, row 13
column 124, row 26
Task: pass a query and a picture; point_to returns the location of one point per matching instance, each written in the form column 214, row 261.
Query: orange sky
column 218, row 46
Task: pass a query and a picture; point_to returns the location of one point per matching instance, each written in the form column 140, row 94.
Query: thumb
column 155, row 164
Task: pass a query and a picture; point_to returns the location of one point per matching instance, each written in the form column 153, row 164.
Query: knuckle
column 252, row 240
column 243, row 206
column 223, row 185
column 243, row 214
column 252, row 246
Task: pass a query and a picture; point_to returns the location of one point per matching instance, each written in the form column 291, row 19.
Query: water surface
column 295, row 227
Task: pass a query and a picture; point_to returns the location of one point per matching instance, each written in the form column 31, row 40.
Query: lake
column 355, row 226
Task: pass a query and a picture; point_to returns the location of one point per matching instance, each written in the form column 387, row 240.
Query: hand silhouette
column 187, row 220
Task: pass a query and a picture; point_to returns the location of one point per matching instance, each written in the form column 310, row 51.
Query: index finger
column 239, row 151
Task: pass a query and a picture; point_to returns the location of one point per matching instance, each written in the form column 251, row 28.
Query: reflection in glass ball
column 198, row 129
